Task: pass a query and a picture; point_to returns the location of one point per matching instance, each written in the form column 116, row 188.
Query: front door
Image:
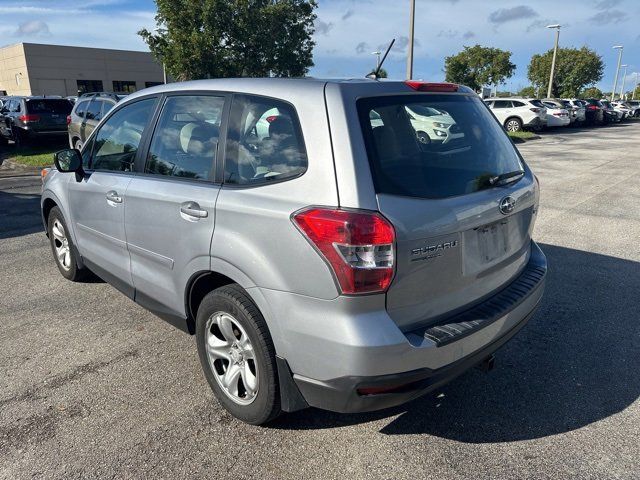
column 170, row 211
column 98, row 200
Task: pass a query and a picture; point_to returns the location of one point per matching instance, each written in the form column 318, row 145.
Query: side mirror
column 67, row 161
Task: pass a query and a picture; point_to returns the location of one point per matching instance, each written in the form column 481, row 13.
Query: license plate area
column 493, row 241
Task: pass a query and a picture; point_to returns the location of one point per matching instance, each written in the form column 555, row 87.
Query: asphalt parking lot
column 93, row 386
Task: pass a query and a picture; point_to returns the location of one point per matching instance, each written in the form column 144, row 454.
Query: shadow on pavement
column 19, row 214
column 575, row 363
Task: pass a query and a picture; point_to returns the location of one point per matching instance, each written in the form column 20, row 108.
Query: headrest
column 194, row 135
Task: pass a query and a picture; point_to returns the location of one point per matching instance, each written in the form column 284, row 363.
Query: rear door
column 170, row 210
column 463, row 231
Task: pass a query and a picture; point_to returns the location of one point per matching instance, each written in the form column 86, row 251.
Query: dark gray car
column 322, row 250
column 23, row 119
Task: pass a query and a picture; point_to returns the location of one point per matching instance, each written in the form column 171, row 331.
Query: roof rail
column 112, row 95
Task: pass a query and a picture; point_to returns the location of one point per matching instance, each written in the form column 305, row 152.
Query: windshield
column 427, row 158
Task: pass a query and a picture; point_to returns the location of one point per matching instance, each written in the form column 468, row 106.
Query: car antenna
column 375, row 73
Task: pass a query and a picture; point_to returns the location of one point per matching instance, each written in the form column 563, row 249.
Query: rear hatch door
column 48, row 114
column 463, row 211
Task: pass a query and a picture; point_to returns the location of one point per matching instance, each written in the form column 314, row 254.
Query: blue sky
column 349, row 30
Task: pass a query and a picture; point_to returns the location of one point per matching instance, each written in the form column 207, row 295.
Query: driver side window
column 116, row 143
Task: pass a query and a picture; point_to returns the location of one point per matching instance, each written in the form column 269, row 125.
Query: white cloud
column 33, row 28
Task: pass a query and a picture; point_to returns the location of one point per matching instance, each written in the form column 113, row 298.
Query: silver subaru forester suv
column 324, row 246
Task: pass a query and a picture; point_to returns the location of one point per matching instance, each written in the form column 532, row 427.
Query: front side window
column 117, row 141
column 265, row 142
column 185, row 141
column 457, row 152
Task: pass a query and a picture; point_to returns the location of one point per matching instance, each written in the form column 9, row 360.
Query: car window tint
column 454, row 153
column 81, row 108
column 117, row 141
column 518, row 104
column 56, row 107
column 185, row 141
column 94, row 111
column 265, row 142
column 502, row 104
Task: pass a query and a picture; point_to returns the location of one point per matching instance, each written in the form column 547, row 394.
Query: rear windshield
column 413, row 152
column 60, row 107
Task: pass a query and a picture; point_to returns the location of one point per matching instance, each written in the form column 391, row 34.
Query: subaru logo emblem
column 507, row 205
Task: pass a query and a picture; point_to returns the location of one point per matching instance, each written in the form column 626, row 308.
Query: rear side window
column 502, row 104
column 185, row 141
column 94, row 112
column 57, row 107
column 264, row 143
column 457, row 152
column 518, row 104
column 81, row 108
column 536, row 103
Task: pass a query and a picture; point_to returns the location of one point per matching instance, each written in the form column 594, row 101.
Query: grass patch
column 32, row 155
column 522, row 135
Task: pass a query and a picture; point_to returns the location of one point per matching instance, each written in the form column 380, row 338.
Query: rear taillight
column 431, row 87
column 536, row 110
column 271, row 118
column 29, row 118
column 357, row 245
column 592, row 107
column 68, row 119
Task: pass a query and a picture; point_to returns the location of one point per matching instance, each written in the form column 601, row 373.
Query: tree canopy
column 233, row 38
column 528, row 92
column 575, row 70
column 477, row 66
column 592, row 92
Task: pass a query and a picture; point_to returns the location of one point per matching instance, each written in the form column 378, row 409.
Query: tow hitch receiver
column 487, row 364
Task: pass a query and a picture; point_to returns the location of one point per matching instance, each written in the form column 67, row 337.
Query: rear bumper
column 465, row 340
column 536, row 122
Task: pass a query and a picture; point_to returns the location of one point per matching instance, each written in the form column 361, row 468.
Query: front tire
column 237, row 355
column 64, row 252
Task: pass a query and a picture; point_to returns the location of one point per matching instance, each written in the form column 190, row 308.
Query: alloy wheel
column 232, row 358
column 61, row 244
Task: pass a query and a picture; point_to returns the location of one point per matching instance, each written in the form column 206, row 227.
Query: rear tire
column 237, row 355
column 513, row 124
column 19, row 138
column 64, row 252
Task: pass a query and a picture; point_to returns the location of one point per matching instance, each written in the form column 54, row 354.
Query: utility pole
column 635, row 87
column 553, row 62
column 412, row 20
column 377, row 54
column 615, row 80
column 624, row 77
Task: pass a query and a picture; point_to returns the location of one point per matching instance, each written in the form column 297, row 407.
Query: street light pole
column 377, row 54
column 624, row 77
column 635, row 87
column 553, row 62
column 615, row 80
column 412, row 18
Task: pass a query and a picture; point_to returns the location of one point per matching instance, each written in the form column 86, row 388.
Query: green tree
column 592, row 92
column 528, row 92
column 477, row 66
column 575, row 70
column 381, row 74
column 233, row 38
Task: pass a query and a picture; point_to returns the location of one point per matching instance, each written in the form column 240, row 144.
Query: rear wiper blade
column 505, row 178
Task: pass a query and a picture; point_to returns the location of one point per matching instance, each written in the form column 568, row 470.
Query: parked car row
column 516, row 114
column 26, row 118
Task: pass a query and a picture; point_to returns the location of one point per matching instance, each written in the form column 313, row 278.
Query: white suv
column 516, row 113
